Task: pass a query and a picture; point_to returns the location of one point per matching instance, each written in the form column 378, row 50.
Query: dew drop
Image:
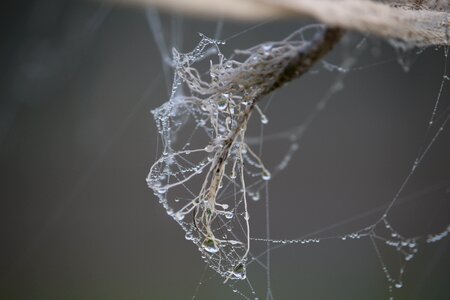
column 266, row 175
column 266, row 49
column 188, row 236
column 264, row 119
column 162, row 190
column 222, row 103
column 256, row 196
column 209, row 148
column 228, row 215
column 179, row 216
column 239, row 272
column 210, row 245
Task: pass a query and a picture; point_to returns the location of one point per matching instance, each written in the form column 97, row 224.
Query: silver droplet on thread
column 266, row 175
column 264, row 119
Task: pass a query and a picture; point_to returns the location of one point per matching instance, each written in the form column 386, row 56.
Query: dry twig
column 418, row 22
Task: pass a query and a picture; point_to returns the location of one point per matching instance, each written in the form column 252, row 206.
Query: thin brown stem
column 322, row 43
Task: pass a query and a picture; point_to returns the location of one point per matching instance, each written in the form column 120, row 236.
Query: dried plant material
column 419, row 27
column 417, row 22
column 246, row 10
column 220, row 102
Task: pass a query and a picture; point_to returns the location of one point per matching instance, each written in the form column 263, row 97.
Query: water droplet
column 210, row 245
column 228, row 215
column 222, row 103
column 266, row 49
column 256, row 196
column 266, row 175
column 238, row 272
column 209, row 148
column 188, row 236
column 264, row 119
column 179, row 216
column 162, row 190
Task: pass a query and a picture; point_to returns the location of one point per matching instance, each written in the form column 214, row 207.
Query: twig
column 418, row 22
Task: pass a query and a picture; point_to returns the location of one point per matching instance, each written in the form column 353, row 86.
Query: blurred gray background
column 77, row 221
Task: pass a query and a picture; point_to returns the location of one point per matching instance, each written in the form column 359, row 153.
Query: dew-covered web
column 211, row 173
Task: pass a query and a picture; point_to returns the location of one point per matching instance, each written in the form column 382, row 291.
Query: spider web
column 210, row 175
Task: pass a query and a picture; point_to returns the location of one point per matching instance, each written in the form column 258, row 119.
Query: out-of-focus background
column 77, row 221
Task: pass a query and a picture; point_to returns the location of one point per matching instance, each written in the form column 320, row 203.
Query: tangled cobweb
column 204, row 182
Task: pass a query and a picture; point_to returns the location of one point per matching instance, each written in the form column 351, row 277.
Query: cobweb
column 210, row 174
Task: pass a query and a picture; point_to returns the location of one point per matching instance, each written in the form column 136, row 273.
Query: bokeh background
column 77, row 221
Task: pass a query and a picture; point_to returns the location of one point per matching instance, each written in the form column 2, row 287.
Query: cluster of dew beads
column 406, row 248
column 207, row 170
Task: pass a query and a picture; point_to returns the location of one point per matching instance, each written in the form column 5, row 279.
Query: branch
column 299, row 64
column 302, row 63
column 418, row 22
